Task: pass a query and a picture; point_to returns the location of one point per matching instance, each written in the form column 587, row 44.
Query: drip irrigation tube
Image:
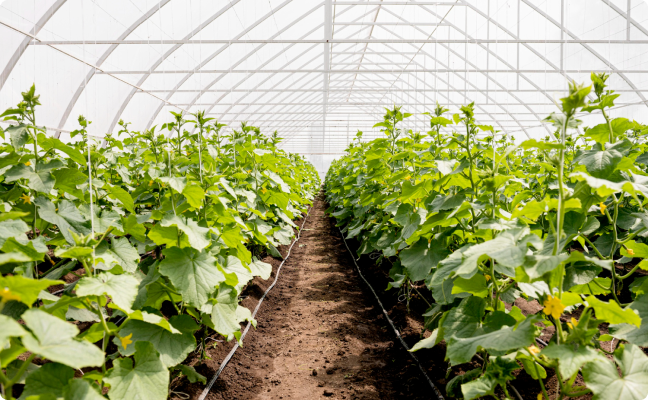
column 227, row 359
column 398, row 335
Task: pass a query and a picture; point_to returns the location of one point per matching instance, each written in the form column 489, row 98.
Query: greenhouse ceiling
column 316, row 71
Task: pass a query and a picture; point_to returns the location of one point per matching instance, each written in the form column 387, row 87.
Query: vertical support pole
column 629, row 8
column 517, row 83
column 328, row 36
column 562, row 37
column 488, row 24
column 348, row 133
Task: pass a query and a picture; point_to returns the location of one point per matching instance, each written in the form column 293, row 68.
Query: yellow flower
column 6, row 295
column 488, row 277
column 126, row 340
column 603, row 207
column 630, row 252
column 28, row 163
column 263, row 190
column 408, row 177
column 516, row 206
column 25, row 198
column 533, row 350
column 540, row 396
column 553, row 307
column 150, row 183
column 573, row 323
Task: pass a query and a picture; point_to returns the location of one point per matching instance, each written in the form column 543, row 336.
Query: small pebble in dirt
column 314, row 373
column 328, row 393
column 321, row 384
column 330, row 371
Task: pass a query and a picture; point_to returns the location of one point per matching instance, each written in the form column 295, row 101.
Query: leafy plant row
column 485, row 223
column 160, row 232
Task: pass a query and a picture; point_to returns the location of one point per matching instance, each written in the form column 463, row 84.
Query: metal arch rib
column 304, row 108
column 284, row 50
column 487, row 77
column 23, row 45
column 166, row 55
column 441, row 93
column 197, row 97
column 212, row 56
column 490, row 20
column 381, row 77
column 591, row 50
column 626, row 16
column 103, row 58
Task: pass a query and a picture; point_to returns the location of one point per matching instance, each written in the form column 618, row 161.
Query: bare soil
column 320, row 333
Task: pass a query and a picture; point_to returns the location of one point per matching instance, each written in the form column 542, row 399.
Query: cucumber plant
column 118, row 256
column 487, row 223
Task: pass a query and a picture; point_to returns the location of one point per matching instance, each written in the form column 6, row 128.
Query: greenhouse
column 346, row 199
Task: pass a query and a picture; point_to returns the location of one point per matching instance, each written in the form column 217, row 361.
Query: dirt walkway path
column 319, row 334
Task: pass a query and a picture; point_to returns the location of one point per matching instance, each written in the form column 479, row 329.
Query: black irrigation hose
column 256, row 309
column 398, row 335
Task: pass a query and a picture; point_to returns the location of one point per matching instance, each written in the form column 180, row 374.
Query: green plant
column 482, row 222
column 156, row 239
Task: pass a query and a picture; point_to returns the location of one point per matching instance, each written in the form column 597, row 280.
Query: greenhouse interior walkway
column 320, row 333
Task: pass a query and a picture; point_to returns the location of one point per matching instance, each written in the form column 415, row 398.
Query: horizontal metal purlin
column 392, row 23
column 339, row 41
column 397, row 3
column 364, row 89
column 377, row 71
column 368, row 104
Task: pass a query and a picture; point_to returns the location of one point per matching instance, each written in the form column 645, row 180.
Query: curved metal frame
column 26, row 41
column 304, row 104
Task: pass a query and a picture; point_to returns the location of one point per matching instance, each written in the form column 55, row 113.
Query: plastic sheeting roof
column 316, row 70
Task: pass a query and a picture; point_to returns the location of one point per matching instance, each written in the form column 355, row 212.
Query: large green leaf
column 260, row 268
column 147, row 379
column 508, row 249
column 67, row 217
column 193, row 273
column 18, row 135
column 55, row 340
column 10, row 328
column 224, row 315
column 81, row 389
column 197, row 235
column 634, row 335
column 613, row 313
column 120, row 252
column 173, row 348
column 122, row 289
column 600, row 163
column 421, row 257
column 195, row 195
column 51, row 378
column 41, row 181
column 13, row 228
column 116, row 192
column 25, row 290
column 47, row 143
column 572, row 357
column 604, row 380
column 461, row 350
column 464, row 320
